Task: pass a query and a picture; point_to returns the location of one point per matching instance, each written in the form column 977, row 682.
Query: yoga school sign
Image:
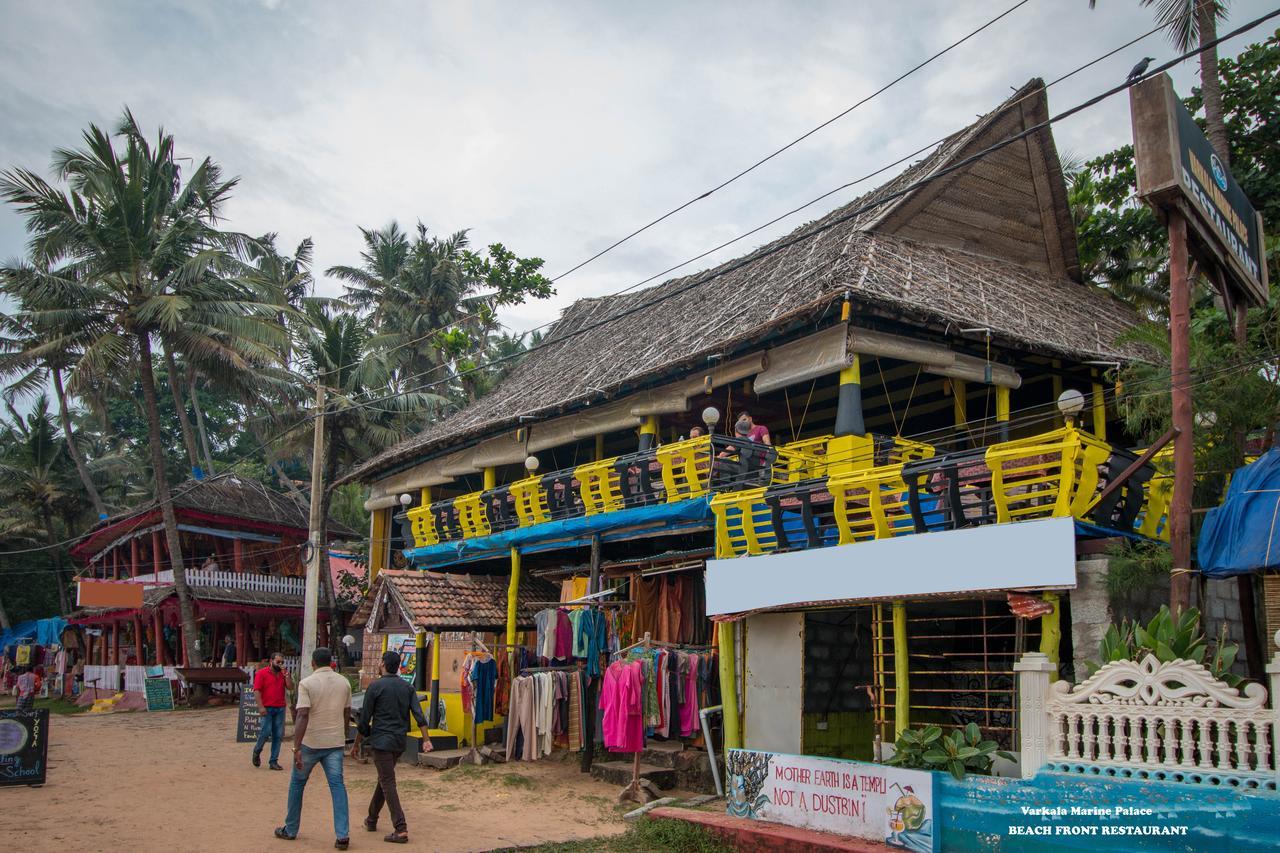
column 854, row 798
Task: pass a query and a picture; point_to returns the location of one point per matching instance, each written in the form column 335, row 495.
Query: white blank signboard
column 1025, row 554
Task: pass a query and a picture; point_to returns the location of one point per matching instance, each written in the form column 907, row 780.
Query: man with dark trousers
column 384, row 724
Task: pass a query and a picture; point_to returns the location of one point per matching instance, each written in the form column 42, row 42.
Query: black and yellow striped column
column 648, row 433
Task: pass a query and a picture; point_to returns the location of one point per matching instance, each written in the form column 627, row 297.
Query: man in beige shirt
column 320, row 737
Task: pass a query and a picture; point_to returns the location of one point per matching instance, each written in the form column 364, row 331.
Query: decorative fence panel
column 1149, row 719
column 102, row 678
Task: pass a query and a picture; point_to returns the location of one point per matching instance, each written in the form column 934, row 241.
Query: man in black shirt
column 384, row 724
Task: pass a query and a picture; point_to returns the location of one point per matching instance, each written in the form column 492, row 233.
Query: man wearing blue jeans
column 320, row 737
column 270, row 687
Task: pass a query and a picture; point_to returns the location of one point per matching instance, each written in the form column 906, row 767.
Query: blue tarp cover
column 44, row 632
column 1242, row 535
column 567, row 533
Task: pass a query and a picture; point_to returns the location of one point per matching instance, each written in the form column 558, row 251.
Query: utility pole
column 311, row 603
column 1184, row 460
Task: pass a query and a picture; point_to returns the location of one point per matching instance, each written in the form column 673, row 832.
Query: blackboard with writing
column 24, row 747
column 249, row 720
column 159, row 694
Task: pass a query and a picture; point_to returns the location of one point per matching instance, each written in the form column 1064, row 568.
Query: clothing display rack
column 638, row 790
column 474, row 755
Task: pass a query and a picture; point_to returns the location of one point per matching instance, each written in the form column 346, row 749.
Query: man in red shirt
column 269, row 687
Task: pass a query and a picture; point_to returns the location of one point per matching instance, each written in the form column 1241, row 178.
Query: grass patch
column 56, row 705
column 673, row 836
column 515, row 780
column 463, row 771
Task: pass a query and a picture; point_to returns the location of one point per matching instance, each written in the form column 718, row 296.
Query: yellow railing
column 686, row 468
column 744, row 523
column 871, row 504
column 471, row 515
column 531, row 501
column 424, row 526
column 801, row 460
column 1046, row 476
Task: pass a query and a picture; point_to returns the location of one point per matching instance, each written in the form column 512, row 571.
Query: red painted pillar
column 115, row 642
column 155, row 552
column 102, row 645
column 237, row 558
column 133, row 557
column 137, row 637
column 162, row 653
column 242, row 651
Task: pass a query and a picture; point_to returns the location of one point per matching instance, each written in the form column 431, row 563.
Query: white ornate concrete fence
column 1149, row 719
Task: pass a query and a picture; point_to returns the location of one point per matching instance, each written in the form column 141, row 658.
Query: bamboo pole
column 901, row 679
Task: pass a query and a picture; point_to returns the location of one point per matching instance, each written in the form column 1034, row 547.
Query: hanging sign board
column 890, row 805
column 1177, row 167
column 249, row 721
column 159, row 693
column 24, row 747
column 109, row 594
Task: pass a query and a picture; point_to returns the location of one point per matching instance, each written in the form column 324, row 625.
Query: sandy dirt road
column 179, row 781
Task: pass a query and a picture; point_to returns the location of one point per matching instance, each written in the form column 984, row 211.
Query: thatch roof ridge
column 620, row 342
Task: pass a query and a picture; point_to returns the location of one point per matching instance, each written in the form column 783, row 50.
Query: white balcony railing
column 230, row 580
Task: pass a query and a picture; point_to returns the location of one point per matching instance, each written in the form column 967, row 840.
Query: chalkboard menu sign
column 159, row 694
column 24, row 746
column 249, row 720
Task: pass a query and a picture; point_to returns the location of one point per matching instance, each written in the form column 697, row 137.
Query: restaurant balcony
column 669, row 474
column 856, row 489
column 250, row 581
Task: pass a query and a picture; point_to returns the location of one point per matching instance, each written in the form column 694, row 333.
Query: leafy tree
column 128, row 251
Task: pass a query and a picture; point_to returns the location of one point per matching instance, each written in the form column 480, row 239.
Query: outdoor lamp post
column 1070, row 403
column 711, row 417
column 531, row 465
column 405, row 500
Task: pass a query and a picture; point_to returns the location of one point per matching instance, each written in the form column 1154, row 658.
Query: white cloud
column 552, row 127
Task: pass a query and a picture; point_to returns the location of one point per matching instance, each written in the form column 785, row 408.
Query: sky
column 554, row 128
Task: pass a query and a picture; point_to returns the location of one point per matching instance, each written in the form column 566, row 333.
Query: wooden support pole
column 433, row 712
column 133, row 557
column 379, row 523
column 648, row 433
column 242, row 640
column 901, row 678
column 1099, row 401
column 155, row 552
column 158, row 626
column 729, row 684
column 599, row 446
column 1184, row 462
column 237, row 555
column 1002, row 412
column 1051, row 630
column 849, row 419
column 490, row 478
column 115, row 642
column 513, row 593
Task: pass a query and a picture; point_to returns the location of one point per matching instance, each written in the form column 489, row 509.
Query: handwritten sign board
column 852, row 798
column 24, row 747
column 249, row 721
column 1176, row 165
column 159, row 692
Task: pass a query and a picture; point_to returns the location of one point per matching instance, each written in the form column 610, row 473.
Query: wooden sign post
column 248, row 721
column 1211, row 219
column 159, row 693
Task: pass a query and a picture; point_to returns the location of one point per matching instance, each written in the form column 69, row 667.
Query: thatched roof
column 990, row 245
column 225, row 496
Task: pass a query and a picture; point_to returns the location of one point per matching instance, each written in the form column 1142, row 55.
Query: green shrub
column 959, row 752
column 1169, row 639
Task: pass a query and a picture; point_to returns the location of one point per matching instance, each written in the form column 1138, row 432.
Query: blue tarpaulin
column 670, row 518
column 1243, row 535
column 44, row 632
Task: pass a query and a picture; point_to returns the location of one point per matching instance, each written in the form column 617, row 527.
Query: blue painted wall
column 975, row 815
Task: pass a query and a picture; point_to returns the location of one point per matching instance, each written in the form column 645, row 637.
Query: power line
column 757, row 164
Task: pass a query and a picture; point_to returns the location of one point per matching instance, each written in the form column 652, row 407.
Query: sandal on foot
column 396, row 838
column 281, row 832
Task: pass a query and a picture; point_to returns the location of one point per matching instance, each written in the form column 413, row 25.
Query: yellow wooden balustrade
column 906, row 450
column 686, row 468
column 472, row 517
column 1044, row 476
column 599, row 486
column 870, row 504
column 801, row 460
column 531, row 501
column 424, row 526
column 744, row 523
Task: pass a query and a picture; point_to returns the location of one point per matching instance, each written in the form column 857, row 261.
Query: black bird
column 1140, row 69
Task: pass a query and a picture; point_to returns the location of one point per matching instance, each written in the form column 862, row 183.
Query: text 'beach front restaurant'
column 932, row 372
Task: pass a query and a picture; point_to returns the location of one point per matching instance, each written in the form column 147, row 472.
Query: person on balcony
column 210, row 564
column 759, row 433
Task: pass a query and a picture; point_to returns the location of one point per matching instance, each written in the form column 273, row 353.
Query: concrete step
column 619, row 773
column 442, row 759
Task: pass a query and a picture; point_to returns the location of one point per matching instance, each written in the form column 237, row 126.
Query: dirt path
column 179, row 781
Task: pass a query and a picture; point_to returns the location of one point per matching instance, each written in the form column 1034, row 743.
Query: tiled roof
column 437, row 601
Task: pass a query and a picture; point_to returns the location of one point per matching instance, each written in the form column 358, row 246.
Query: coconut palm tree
column 30, row 357
column 128, row 251
column 365, row 411
column 37, row 481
